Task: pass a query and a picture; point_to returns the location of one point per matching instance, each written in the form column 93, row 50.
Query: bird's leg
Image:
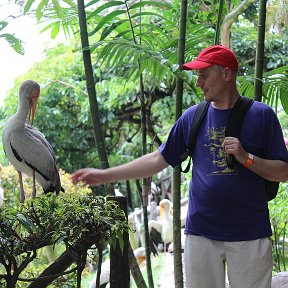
column 34, row 186
column 22, row 192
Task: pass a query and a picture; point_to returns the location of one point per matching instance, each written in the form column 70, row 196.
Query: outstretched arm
column 142, row 167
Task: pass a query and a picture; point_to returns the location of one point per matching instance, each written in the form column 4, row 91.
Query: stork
column 165, row 225
column 26, row 147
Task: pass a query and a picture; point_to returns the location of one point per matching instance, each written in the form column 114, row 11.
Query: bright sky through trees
column 26, row 29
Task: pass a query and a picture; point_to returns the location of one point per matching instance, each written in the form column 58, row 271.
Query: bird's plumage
column 26, row 147
column 165, row 225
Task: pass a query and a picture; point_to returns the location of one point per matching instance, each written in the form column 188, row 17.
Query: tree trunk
column 219, row 19
column 135, row 271
column 145, row 185
column 119, row 267
column 56, row 269
column 260, row 51
column 129, row 194
column 178, row 269
column 230, row 18
column 90, row 84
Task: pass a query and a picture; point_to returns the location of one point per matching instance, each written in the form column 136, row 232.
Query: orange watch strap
column 249, row 160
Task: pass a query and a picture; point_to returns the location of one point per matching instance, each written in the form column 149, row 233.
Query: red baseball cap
column 212, row 55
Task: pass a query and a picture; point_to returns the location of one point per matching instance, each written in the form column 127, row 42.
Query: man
column 228, row 218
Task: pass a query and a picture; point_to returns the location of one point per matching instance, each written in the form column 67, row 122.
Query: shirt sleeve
column 177, row 141
column 275, row 144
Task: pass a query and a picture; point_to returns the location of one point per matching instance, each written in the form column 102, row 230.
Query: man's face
column 211, row 81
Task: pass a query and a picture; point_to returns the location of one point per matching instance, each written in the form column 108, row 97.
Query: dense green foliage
column 244, row 45
column 74, row 221
column 278, row 211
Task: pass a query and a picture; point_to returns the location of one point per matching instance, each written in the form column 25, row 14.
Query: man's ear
column 227, row 73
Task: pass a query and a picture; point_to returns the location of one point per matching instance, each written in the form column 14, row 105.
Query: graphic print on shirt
column 219, row 165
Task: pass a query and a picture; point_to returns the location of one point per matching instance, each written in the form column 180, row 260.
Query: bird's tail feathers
column 153, row 247
column 53, row 189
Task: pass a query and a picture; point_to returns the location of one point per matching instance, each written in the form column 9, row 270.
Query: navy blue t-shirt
column 226, row 204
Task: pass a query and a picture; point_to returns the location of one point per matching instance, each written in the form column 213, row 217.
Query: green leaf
column 147, row 13
column 28, row 6
column 70, row 3
column 55, row 30
column 14, row 42
column 47, row 27
column 40, row 9
column 58, row 9
column 150, row 3
column 284, row 99
column 26, row 223
column 92, row 3
column 106, row 20
column 112, row 240
column 153, row 29
column 3, row 24
column 104, row 7
column 109, row 29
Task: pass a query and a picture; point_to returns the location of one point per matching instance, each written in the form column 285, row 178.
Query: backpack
column 233, row 127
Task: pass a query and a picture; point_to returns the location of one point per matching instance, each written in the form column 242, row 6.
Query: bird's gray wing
column 32, row 147
column 37, row 133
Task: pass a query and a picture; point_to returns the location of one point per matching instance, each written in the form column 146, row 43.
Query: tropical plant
column 78, row 221
column 278, row 214
column 9, row 181
column 275, row 85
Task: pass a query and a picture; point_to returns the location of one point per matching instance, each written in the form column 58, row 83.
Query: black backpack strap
column 271, row 188
column 234, row 123
column 200, row 113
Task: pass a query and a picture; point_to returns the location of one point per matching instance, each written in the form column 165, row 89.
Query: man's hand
column 89, row 176
column 232, row 146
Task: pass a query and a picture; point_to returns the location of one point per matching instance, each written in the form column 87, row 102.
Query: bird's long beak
column 161, row 211
column 33, row 107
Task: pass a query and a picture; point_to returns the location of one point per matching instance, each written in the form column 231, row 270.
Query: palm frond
column 275, row 85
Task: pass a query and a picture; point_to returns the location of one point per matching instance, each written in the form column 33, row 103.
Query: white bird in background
column 280, row 280
column 140, row 256
column 26, row 147
column 165, row 225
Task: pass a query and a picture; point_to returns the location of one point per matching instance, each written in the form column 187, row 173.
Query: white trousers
column 249, row 263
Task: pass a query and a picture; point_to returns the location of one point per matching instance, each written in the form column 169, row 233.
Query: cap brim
column 195, row 65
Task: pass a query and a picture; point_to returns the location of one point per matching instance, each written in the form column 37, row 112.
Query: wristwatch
column 249, row 160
